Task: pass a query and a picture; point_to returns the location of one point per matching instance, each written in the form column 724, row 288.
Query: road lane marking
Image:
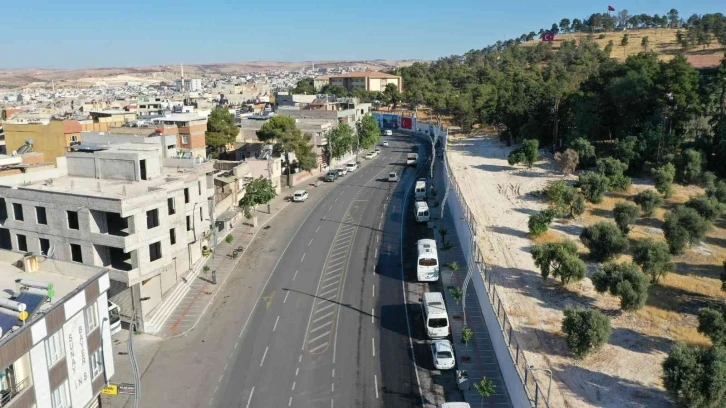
column 276, row 320
column 329, row 305
column 303, row 257
column 335, row 201
column 375, row 255
column 316, row 348
column 323, row 317
column 332, row 387
column 324, row 325
column 311, row 241
column 286, row 293
column 236, row 344
column 319, row 337
column 297, row 371
column 263, row 357
column 373, row 294
column 226, row 365
column 333, row 373
column 293, row 387
column 289, row 402
column 373, row 315
column 331, row 207
column 375, row 384
column 329, row 291
column 250, row 398
column 294, row 276
column 377, row 237
column 317, row 229
column 373, row 344
column 379, row 224
column 299, row 358
column 328, row 284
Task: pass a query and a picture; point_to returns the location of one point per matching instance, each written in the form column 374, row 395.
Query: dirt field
column 627, row 371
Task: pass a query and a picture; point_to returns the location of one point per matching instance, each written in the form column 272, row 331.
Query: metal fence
column 534, row 389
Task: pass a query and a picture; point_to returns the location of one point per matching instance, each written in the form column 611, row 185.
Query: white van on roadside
column 427, row 267
column 455, row 405
column 421, row 210
column 435, row 318
column 420, row 190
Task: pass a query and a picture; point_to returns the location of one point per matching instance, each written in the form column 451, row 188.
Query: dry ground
column 627, row 371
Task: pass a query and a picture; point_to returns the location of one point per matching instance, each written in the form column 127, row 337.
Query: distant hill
column 18, row 78
column 661, row 40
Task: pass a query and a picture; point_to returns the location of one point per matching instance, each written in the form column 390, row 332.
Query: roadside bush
column 585, row 152
column 564, row 199
column 559, row 259
column 614, row 170
column 684, row 226
column 539, row 222
column 566, row 161
column 663, row 179
column 604, row 240
column 718, row 191
column 708, row 207
column 625, row 214
column 515, row 157
column 586, row 330
column 593, row 186
column 653, row 257
column 624, row 280
column 690, row 166
column 528, row 153
column 696, row 377
column 648, row 200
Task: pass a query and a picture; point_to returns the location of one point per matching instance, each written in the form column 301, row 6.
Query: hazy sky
column 97, row 33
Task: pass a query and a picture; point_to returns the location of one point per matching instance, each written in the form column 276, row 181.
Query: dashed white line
column 311, row 241
column 297, row 371
column 236, row 344
column 286, row 293
column 373, row 293
column 263, row 357
column 300, row 358
column 335, row 201
column 375, row 255
column 373, row 346
column 289, row 401
column 220, row 378
column 293, row 386
column 303, row 257
column 375, row 384
column 276, row 320
column 332, row 387
column 331, row 403
column 250, row 398
column 317, row 229
column 377, row 237
column 294, row 276
column 373, row 315
column 331, row 207
column 379, row 224
column 333, row 373
column 225, row 366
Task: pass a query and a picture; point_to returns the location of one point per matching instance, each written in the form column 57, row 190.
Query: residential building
column 368, row 80
column 191, row 132
column 125, row 207
column 50, row 138
column 190, row 85
column 102, row 120
column 296, row 100
column 61, row 354
column 23, row 163
column 320, row 82
column 2, row 140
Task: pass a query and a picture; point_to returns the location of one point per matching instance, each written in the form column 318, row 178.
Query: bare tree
column 567, row 162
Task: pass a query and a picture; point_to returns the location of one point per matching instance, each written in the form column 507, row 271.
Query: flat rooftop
column 65, row 277
column 180, row 117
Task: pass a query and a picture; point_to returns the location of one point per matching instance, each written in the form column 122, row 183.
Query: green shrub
column 663, row 179
column 515, row 157
column 694, row 376
column 690, row 166
column 593, row 186
column 565, row 200
column 708, row 207
column 585, row 152
column 684, row 226
column 653, row 257
column 625, row 214
column 586, row 330
column 559, row 259
column 604, row 240
column 648, row 200
column 539, row 222
column 601, row 37
column 718, row 191
column 708, row 180
column 624, row 280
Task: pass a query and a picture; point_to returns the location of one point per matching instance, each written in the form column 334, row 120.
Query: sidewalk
column 191, row 296
column 477, row 357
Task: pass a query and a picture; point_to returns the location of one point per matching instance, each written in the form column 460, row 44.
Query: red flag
column 548, row 36
column 611, row 8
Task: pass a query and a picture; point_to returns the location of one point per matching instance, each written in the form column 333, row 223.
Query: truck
column 412, row 159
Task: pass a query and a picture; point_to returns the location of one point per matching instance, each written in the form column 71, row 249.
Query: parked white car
column 351, row 167
column 370, row 155
column 377, row 151
column 443, row 354
column 300, row 196
column 342, row 171
column 392, row 176
column 385, row 144
column 388, row 132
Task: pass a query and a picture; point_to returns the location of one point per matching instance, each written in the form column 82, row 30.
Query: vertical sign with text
column 79, row 368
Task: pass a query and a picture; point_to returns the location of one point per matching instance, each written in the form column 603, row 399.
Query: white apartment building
column 131, row 207
column 61, row 355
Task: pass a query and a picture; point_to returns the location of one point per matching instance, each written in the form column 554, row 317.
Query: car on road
column 342, row 171
column 331, row 175
column 443, row 354
column 300, row 196
column 378, row 151
column 385, row 144
column 392, row 176
column 388, row 132
column 370, row 155
column 351, row 167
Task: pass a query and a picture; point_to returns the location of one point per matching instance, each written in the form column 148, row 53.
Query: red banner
column 406, row 123
column 548, row 36
column 611, row 8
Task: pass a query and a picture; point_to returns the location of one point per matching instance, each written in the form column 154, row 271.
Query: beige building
column 369, row 80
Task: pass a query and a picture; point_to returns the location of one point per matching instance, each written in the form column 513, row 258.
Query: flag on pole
column 611, row 8
column 548, row 36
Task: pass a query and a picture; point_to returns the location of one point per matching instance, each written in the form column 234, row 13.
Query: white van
column 420, row 190
column 455, row 405
column 421, row 209
column 114, row 318
column 427, row 267
column 435, row 318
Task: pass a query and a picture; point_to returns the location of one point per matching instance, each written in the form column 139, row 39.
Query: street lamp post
column 132, row 355
column 549, row 386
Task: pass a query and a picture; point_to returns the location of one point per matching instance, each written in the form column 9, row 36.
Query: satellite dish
column 29, row 142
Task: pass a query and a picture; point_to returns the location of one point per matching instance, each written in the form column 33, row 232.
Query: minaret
column 181, row 88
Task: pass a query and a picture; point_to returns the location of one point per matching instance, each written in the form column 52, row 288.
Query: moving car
column 342, row 171
column 412, row 159
column 351, row 167
column 443, row 354
column 331, row 175
column 392, row 176
column 420, row 190
column 378, row 151
column 385, row 144
column 388, row 132
column 300, row 196
column 421, row 209
column 370, row 155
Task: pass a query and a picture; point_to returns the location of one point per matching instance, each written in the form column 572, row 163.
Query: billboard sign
column 79, row 366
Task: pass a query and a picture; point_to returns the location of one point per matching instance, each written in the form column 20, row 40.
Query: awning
column 227, row 216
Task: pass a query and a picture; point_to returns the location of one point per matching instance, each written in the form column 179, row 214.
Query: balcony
column 13, row 395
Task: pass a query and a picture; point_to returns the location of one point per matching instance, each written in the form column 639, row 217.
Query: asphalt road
column 335, row 295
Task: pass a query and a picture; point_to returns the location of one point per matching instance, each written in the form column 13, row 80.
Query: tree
column 627, row 150
column 392, row 95
column 663, row 179
column 585, row 152
column 708, row 207
column 528, row 153
column 684, row 226
column 718, row 191
column 586, row 330
column 604, row 240
column 653, row 257
column 565, row 200
column 485, row 388
column 708, row 180
column 614, row 170
column 258, row 191
column 538, row 222
column 712, row 324
column 695, row 376
column 624, row 280
column 624, row 41
column 648, row 200
column 304, row 86
column 336, row 90
column 340, row 140
column 368, row 133
column 4, row 115
column 567, row 161
column 673, row 18
column 559, row 259
column 690, row 166
column 593, row 186
column 645, row 42
column 221, row 130
column 565, row 25
column 282, row 131
column 625, row 214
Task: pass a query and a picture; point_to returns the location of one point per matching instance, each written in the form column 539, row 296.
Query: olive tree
column 593, row 186
column 604, row 240
column 708, row 207
column 663, row 179
column 684, row 226
column 624, row 280
column 653, row 257
column 614, row 170
column 586, row 330
column 625, row 214
column 559, row 259
column 539, row 222
column 695, row 376
column 648, row 200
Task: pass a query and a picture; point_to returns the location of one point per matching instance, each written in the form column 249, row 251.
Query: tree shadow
column 650, row 222
column 703, row 270
column 346, row 305
column 602, row 213
column 720, row 242
column 527, row 211
column 678, row 300
column 572, row 230
column 508, row 231
column 639, row 342
column 492, row 168
column 606, row 390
